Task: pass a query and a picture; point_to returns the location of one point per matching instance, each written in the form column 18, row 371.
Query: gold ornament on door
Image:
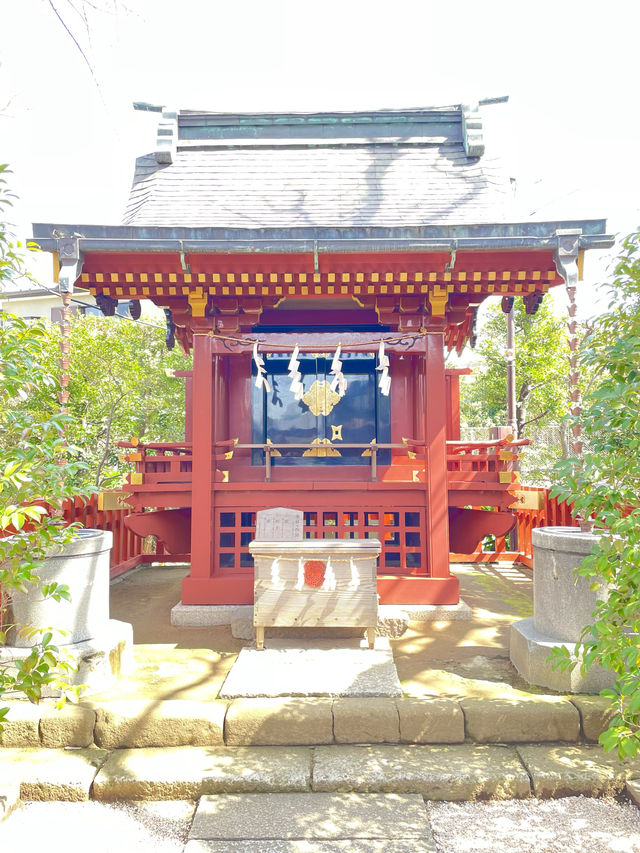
column 320, row 399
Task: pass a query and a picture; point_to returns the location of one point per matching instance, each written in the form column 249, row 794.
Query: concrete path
column 342, row 824
column 346, row 667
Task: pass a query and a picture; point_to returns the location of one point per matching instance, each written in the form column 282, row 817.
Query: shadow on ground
column 452, row 659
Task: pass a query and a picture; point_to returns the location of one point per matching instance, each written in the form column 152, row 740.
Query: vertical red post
column 453, row 406
column 188, row 408
column 202, row 476
column 435, row 416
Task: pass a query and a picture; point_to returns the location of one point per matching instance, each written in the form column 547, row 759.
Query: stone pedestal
column 100, row 648
column 562, row 606
column 83, row 566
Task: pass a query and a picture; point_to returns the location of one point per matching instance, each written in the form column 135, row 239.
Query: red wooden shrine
column 257, row 247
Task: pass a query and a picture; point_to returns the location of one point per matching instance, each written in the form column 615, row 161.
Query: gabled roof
column 388, row 168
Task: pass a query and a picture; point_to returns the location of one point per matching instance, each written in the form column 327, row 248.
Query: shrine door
column 321, row 417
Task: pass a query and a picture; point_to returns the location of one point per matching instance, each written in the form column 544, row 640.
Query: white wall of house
column 43, row 306
column 48, row 306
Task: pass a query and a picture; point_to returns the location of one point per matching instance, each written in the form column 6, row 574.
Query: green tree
column 541, row 370
column 604, row 485
column 37, row 467
column 542, row 375
column 121, row 385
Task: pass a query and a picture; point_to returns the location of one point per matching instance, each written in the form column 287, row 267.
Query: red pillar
column 188, row 407
column 435, row 405
column 202, row 543
column 453, row 406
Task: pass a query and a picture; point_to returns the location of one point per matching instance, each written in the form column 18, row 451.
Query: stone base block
column 543, row 718
column 436, row 772
column 52, row 774
column 393, row 619
column 192, row 772
column 436, row 612
column 529, row 651
column 574, row 771
column 97, row 661
column 153, row 723
column 279, row 722
column 203, row 615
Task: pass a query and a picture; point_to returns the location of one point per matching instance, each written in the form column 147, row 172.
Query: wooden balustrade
column 126, row 552
column 466, row 461
column 128, row 548
column 171, row 462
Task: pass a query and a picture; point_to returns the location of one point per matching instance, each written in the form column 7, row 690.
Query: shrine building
column 319, row 267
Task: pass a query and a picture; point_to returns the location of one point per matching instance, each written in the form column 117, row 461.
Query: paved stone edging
column 459, row 772
column 292, row 721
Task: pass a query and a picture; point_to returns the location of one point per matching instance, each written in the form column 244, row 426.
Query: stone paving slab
column 566, row 770
column 545, row 718
column 240, row 817
column 52, row 774
column 178, row 722
column 312, row 668
column 274, row 722
column 190, row 772
column 351, row 845
column 438, row 773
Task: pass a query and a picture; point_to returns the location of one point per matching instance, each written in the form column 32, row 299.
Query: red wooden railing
column 551, row 514
column 127, row 551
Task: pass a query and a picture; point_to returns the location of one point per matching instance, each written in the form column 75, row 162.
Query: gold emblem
column 368, row 452
column 320, row 398
column 114, row 500
column 274, row 452
column 321, row 451
column 336, row 432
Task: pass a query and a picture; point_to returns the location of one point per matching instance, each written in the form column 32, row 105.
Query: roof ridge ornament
column 472, row 136
column 167, row 137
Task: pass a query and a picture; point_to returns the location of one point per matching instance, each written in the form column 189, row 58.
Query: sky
column 569, row 132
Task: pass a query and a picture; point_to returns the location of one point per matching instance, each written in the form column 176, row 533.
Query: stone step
column 305, row 822
column 457, row 772
column 305, row 721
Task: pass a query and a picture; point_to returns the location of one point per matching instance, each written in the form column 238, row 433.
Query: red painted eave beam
column 107, row 262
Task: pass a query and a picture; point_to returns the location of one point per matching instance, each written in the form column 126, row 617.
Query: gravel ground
column 139, row 827
column 571, row 825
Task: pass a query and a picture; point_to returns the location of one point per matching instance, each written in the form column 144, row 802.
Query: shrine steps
column 441, row 749
column 461, row 772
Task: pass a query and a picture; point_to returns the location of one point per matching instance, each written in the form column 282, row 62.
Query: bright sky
column 570, row 68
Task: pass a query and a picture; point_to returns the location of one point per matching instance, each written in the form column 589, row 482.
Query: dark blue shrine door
column 321, row 416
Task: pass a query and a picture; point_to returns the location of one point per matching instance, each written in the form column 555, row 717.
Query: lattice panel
column 401, row 532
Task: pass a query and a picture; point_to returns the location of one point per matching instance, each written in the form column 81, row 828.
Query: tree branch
column 107, row 437
column 537, row 418
column 75, row 41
